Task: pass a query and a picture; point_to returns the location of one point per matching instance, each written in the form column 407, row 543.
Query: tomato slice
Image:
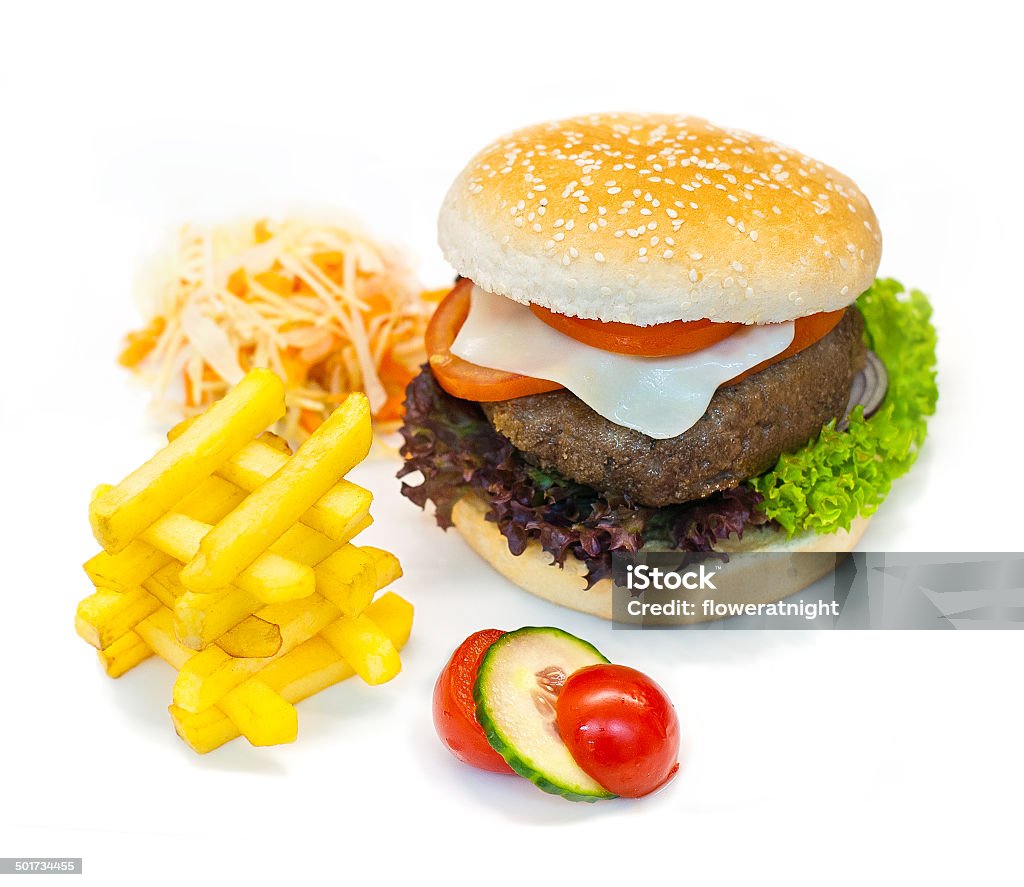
column 469, row 381
column 658, row 340
column 459, row 377
column 455, row 709
column 620, row 727
column 806, row 331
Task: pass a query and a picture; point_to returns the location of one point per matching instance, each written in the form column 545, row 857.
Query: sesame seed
column 599, row 256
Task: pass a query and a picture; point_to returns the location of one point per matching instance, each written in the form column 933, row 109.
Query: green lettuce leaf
column 845, row 474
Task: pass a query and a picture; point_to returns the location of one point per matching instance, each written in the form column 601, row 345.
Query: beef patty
column 744, row 431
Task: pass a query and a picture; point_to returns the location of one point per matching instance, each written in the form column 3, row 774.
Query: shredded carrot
column 310, row 420
column 139, row 344
column 327, row 308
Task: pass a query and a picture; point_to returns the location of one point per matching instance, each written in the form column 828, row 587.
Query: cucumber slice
column 515, row 691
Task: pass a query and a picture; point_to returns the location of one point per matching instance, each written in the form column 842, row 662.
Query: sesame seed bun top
column 649, row 218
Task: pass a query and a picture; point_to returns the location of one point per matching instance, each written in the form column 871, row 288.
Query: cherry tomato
column 455, row 709
column 620, row 727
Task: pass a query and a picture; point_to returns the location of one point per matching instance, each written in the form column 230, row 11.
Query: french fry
column 199, row 619
column 209, row 675
column 386, row 566
column 347, row 578
column 124, row 654
column 208, row 502
column 252, row 638
column 364, row 646
column 274, row 440
column 164, row 585
column 351, row 576
column 260, row 714
column 135, row 563
column 211, row 499
column 205, row 730
column 240, row 537
column 341, row 513
column 269, row 577
column 393, row 614
column 121, row 513
column 158, row 632
column 307, row 546
column 305, row 671
column 106, row 616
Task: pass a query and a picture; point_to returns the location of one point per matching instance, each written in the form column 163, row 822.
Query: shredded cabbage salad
column 319, row 302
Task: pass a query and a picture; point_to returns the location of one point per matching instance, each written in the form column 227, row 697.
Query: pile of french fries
column 231, row 558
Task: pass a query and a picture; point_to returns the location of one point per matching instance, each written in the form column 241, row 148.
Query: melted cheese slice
column 659, row 396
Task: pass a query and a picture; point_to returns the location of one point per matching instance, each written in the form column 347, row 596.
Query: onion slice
column 868, row 388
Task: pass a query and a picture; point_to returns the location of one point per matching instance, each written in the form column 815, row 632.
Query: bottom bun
column 747, row 581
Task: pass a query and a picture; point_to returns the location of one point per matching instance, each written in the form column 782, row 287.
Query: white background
column 808, row 757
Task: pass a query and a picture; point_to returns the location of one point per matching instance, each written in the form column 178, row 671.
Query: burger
column 665, row 335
